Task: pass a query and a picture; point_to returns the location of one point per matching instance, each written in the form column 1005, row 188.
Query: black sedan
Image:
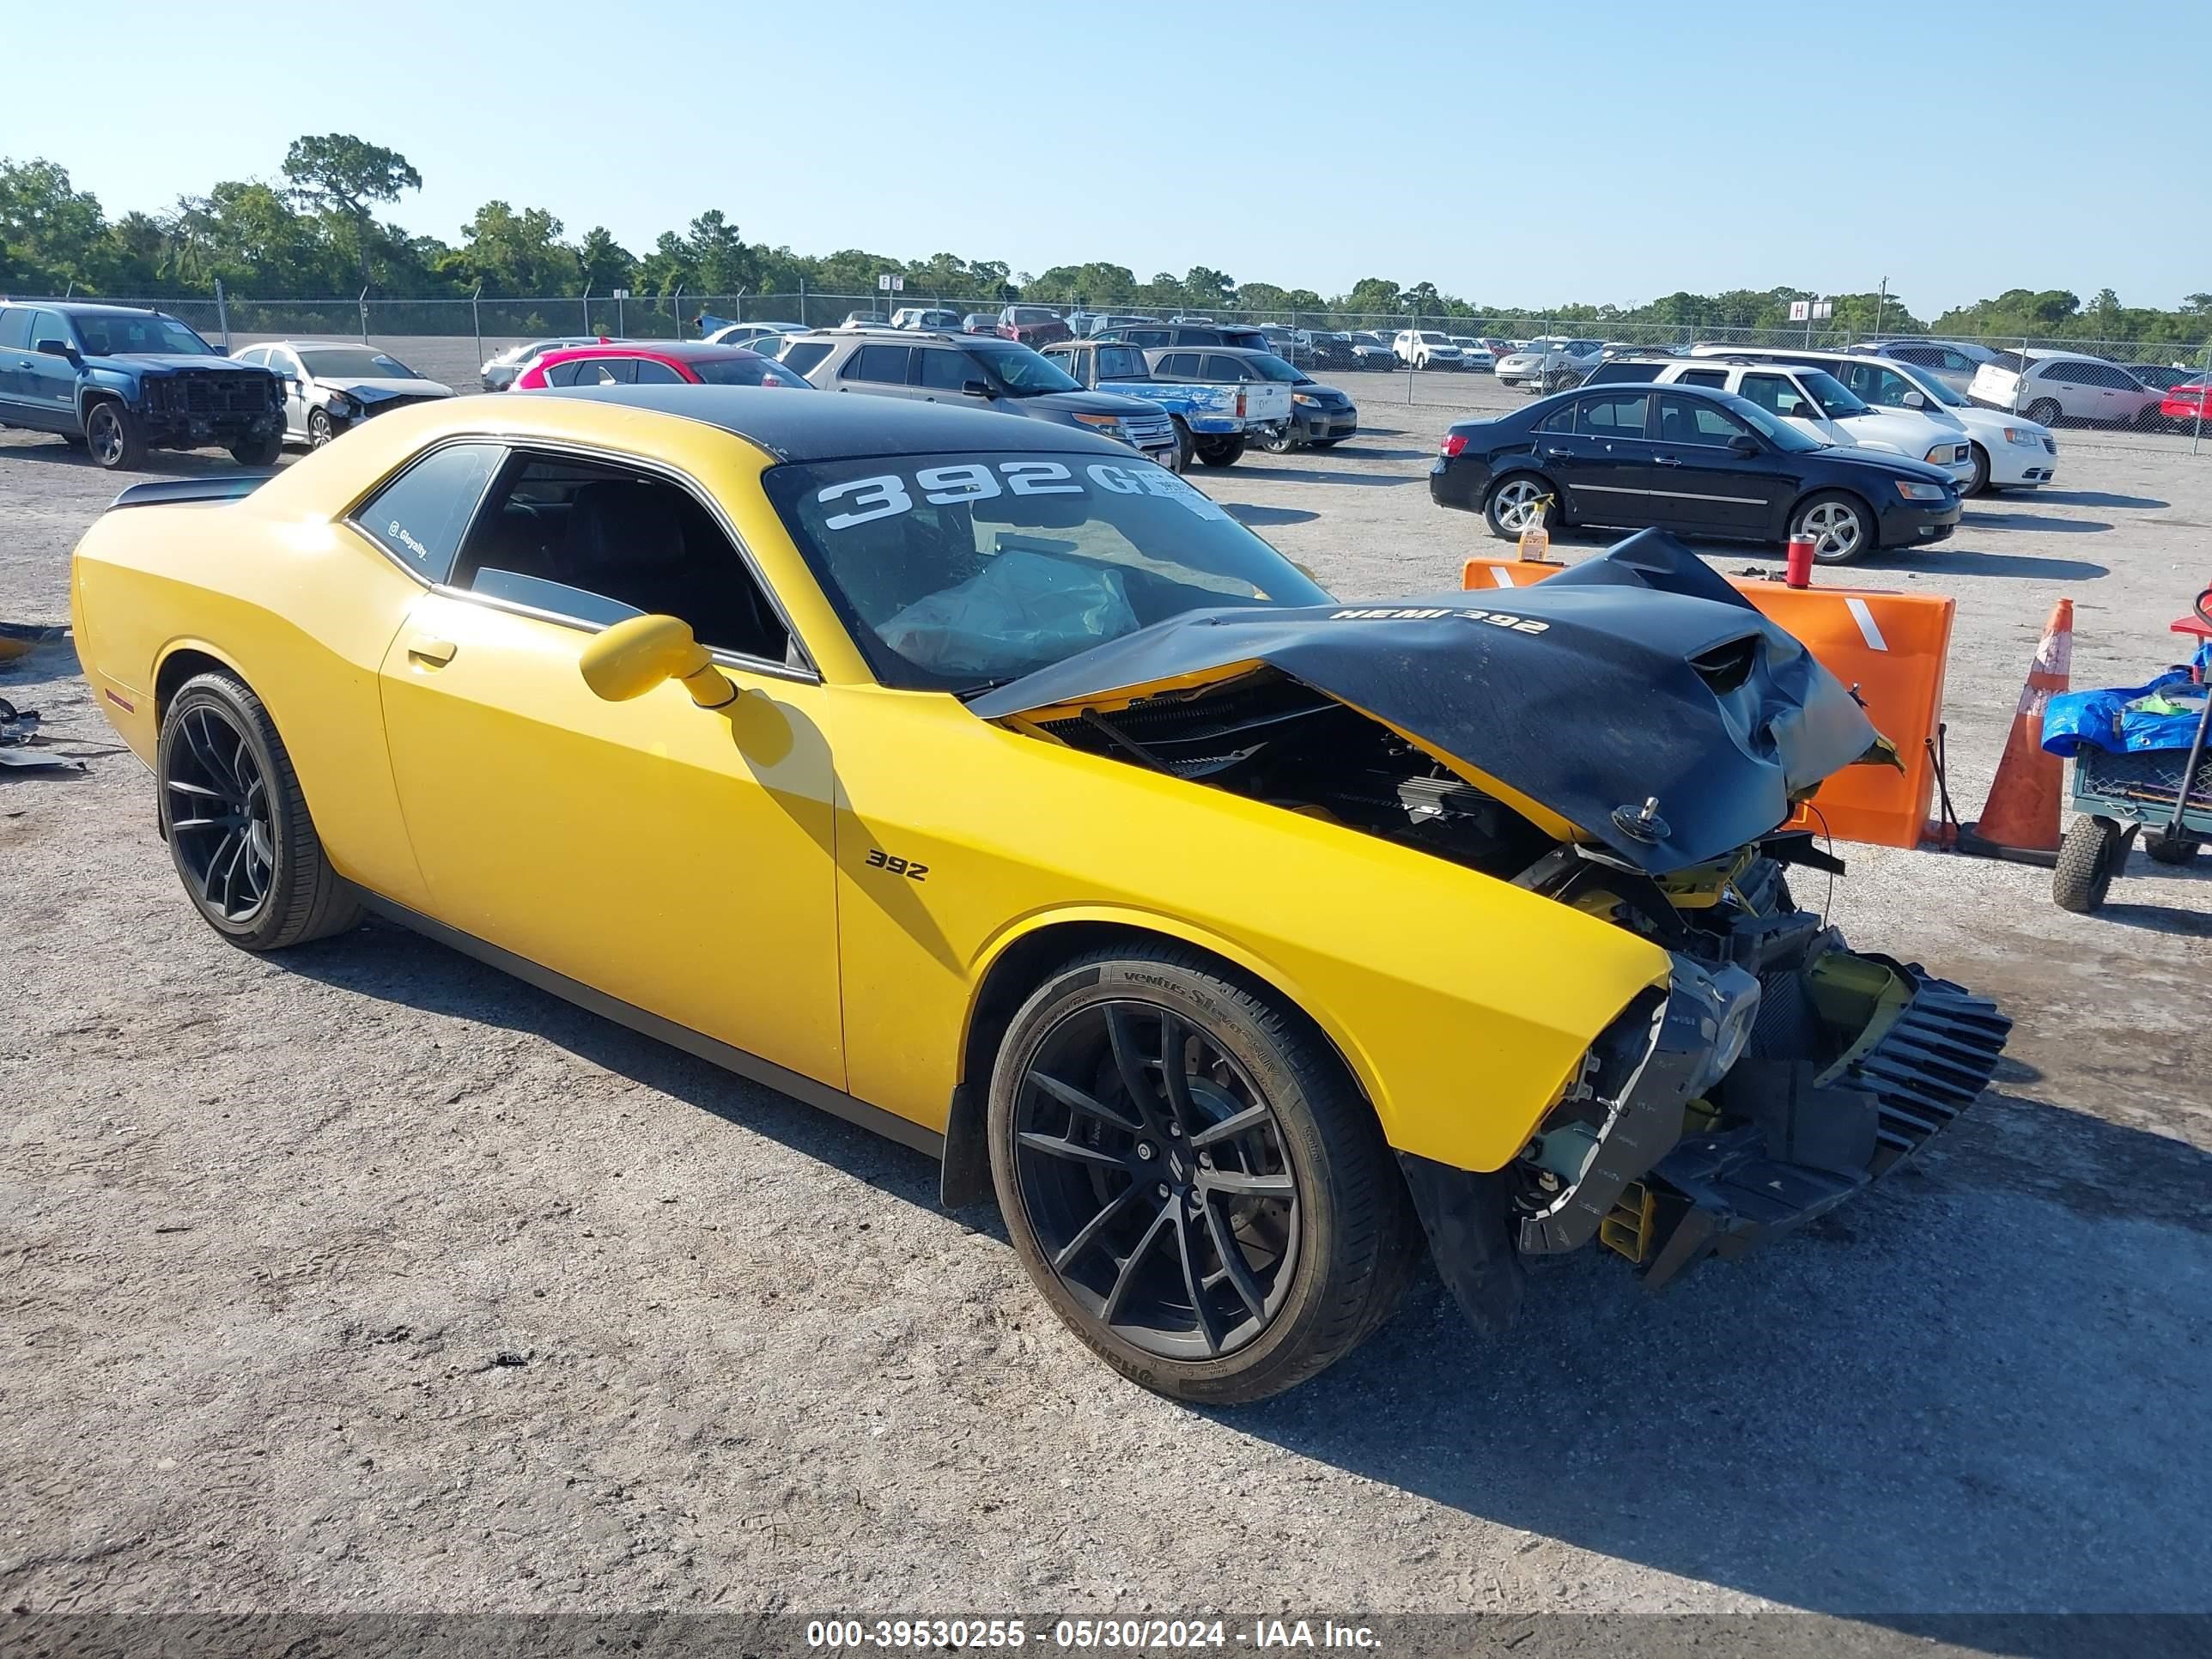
column 1689, row 459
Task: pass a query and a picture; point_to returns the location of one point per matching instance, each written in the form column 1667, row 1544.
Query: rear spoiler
column 164, row 492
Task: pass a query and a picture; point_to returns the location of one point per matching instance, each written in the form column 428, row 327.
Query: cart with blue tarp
column 2139, row 764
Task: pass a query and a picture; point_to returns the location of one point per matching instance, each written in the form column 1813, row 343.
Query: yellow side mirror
column 634, row 656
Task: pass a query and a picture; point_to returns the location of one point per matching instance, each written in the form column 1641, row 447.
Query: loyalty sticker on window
column 885, row 494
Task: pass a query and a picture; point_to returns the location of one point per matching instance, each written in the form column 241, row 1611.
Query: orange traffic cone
column 2021, row 814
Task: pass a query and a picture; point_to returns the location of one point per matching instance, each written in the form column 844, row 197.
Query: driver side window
column 595, row 542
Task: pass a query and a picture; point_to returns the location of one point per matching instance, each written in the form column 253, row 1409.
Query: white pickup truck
column 1217, row 404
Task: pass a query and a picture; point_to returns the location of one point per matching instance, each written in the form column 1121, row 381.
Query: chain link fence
column 2106, row 392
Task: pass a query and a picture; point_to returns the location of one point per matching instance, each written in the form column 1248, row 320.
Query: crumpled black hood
column 1637, row 675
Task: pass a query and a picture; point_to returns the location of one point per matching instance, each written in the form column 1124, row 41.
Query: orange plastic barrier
column 1891, row 647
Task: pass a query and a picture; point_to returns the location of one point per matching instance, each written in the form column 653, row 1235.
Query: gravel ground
column 367, row 1279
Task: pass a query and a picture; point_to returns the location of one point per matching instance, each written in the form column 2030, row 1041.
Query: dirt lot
column 367, row 1279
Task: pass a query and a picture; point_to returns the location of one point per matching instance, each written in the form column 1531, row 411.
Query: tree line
column 316, row 231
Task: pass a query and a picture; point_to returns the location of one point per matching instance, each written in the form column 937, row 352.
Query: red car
column 1035, row 326
column 2191, row 403
column 646, row 362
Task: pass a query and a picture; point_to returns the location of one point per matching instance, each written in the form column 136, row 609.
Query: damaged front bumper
column 1670, row 1148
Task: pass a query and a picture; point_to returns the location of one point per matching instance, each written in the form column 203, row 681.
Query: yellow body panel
column 714, row 865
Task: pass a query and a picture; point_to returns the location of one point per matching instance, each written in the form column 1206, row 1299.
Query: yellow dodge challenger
column 987, row 784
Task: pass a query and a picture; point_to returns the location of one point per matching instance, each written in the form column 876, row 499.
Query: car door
column 292, row 374
column 676, row 858
column 881, row 369
column 1704, row 483
column 14, row 354
column 49, row 383
column 945, row 374
column 1618, row 468
column 1595, row 450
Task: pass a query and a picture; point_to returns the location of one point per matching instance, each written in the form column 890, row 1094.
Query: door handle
column 1556, row 454
column 435, row 654
column 1666, row 460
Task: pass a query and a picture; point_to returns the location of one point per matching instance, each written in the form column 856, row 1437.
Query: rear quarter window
column 421, row 516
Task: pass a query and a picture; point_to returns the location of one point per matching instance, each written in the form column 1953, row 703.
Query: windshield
column 958, row 571
column 1023, row 372
column 353, row 364
column 1031, row 314
column 1833, row 395
column 1783, row 435
column 1929, row 384
column 121, row 336
column 1271, row 367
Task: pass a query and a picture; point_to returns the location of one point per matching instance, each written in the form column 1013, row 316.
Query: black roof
column 84, row 308
column 799, row 425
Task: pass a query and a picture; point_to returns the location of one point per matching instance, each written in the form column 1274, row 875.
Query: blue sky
column 1514, row 155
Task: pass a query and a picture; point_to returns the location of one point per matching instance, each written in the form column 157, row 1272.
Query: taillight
column 1240, row 406
column 1454, row 443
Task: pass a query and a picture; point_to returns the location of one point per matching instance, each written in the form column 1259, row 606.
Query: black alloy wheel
column 1156, row 1179
column 237, row 822
column 216, row 803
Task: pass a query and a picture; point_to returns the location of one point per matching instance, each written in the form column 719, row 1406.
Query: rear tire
column 2044, row 411
column 2087, row 859
column 237, row 824
column 1087, row 1130
column 1841, row 526
column 1219, row 452
column 1516, row 502
column 113, row 435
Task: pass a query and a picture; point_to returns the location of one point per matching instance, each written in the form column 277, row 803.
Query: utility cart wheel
column 2087, row 859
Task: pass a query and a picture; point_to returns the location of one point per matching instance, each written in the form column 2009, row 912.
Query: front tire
column 259, row 451
column 237, row 824
column 1840, row 526
column 1192, row 1180
column 1281, row 441
column 113, row 435
column 1980, row 484
column 1519, row 501
column 1220, row 451
column 2087, row 859
column 320, row 430
column 1185, row 446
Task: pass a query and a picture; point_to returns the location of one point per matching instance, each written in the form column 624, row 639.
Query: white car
column 2051, row 386
column 2010, row 450
column 761, row 337
column 1550, row 362
column 926, row 317
column 1474, row 355
column 332, row 384
column 1819, row 405
column 1424, row 347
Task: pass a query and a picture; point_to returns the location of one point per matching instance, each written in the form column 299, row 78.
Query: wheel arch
column 1866, row 502
column 1017, row 964
column 181, row 659
column 1529, row 468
